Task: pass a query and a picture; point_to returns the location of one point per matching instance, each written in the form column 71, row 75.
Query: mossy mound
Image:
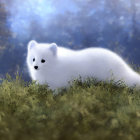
column 84, row 111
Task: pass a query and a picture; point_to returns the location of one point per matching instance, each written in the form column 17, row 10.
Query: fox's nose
column 36, row 67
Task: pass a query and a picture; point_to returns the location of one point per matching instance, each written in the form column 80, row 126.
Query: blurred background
column 75, row 24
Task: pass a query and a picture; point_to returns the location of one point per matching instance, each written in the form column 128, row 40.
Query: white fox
column 56, row 66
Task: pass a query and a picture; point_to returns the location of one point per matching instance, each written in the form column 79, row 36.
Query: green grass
column 84, row 111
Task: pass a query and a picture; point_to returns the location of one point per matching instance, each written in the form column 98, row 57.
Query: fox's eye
column 33, row 59
column 42, row 61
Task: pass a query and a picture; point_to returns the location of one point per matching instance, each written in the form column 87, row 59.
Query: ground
column 84, row 111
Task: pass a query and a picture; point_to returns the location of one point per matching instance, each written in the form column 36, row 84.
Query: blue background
column 75, row 24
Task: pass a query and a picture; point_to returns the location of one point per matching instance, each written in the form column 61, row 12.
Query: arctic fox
column 56, row 66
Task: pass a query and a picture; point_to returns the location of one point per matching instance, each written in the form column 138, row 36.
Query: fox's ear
column 53, row 48
column 32, row 44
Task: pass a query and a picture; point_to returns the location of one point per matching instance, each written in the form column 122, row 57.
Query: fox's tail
column 134, row 79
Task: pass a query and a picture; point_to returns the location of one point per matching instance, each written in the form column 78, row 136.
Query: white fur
column 63, row 65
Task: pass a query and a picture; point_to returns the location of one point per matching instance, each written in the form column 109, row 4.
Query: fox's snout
column 36, row 67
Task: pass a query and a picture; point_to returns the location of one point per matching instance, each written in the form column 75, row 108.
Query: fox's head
column 41, row 55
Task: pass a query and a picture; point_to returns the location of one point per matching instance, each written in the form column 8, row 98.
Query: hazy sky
column 22, row 13
column 30, row 18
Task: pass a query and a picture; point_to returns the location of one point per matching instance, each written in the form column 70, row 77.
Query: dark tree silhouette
column 4, row 30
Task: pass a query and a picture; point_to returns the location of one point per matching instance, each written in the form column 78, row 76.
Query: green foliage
column 84, row 111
